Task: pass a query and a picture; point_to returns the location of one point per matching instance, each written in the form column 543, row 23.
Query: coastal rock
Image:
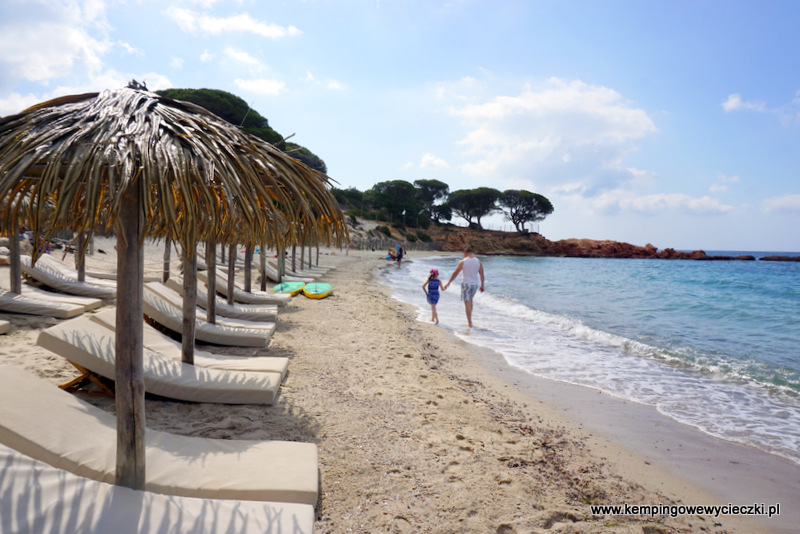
column 780, row 258
column 451, row 238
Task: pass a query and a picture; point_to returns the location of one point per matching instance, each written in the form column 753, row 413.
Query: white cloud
column 261, row 86
column 241, row 56
column 562, row 131
column 194, row 22
column 15, row 102
column 627, row 202
column 176, row 63
column 735, row 102
column 76, row 37
column 334, row 85
column 110, row 79
column 787, row 203
column 206, row 56
column 429, row 161
column 130, row 49
column 722, row 183
column 675, row 202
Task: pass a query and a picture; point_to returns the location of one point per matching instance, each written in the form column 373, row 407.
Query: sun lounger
column 5, row 326
column 90, row 347
column 170, row 316
column 176, row 300
column 272, row 275
column 239, row 295
column 107, row 275
column 30, row 291
column 166, row 346
column 64, row 431
column 14, row 303
column 37, row 497
column 248, row 312
column 55, row 274
column 312, row 275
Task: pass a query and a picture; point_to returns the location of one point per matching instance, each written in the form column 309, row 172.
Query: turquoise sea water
column 713, row 344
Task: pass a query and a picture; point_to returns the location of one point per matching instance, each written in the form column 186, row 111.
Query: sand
column 419, row 431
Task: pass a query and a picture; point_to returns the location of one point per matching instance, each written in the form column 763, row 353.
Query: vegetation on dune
column 238, row 112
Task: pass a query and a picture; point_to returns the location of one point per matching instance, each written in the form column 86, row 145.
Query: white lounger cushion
column 5, row 326
column 52, row 273
column 58, row 428
column 30, row 291
column 37, row 497
column 239, row 295
column 272, row 274
column 14, row 303
column 248, row 312
column 91, row 345
column 176, row 301
column 169, row 316
column 307, row 275
column 166, row 346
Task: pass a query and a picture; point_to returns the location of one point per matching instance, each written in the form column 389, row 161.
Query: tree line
column 430, row 201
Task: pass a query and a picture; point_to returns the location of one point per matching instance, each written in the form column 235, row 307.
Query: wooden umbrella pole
column 248, row 268
column 129, row 347
column 189, row 304
column 80, row 259
column 211, row 262
column 263, row 260
column 167, row 253
column 231, row 272
column 294, row 255
column 15, row 272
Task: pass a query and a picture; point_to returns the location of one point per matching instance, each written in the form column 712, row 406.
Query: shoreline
column 419, row 431
column 678, row 459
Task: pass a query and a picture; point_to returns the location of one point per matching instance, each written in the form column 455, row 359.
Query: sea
column 711, row 344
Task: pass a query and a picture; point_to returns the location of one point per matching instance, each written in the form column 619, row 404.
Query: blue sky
column 675, row 123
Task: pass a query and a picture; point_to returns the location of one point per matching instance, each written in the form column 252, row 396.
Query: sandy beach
column 419, row 431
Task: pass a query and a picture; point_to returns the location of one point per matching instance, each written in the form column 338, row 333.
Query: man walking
column 471, row 281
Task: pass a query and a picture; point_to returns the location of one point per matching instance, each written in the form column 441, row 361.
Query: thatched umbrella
column 138, row 164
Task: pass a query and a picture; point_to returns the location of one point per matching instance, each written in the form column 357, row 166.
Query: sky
column 670, row 122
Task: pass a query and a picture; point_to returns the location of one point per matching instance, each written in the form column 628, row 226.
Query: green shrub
column 411, row 237
column 423, row 236
column 384, row 230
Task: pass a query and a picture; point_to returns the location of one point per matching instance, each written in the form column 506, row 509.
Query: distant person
column 399, row 255
column 431, row 289
column 471, row 282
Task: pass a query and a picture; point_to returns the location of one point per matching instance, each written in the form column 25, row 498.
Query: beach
column 419, row 431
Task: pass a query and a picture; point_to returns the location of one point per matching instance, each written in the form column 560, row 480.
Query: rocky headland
column 494, row 242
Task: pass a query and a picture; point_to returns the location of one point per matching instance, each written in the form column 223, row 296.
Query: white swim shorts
column 468, row 291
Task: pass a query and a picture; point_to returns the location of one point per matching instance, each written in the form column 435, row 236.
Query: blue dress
column 433, row 291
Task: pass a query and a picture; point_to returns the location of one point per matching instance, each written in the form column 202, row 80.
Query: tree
column 395, row 197
column 239, row 113
column 304, row 155
column 428, row 192
column 348, row 198
column 472, row 204
column 523, row 206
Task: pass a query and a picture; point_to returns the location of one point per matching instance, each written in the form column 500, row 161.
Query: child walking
column 431, row 289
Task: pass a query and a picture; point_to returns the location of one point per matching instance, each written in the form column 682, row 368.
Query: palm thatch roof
column 74, row 156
